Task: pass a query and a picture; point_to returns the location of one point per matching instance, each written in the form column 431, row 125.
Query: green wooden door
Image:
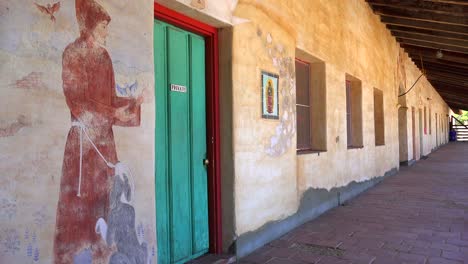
column 181, row 177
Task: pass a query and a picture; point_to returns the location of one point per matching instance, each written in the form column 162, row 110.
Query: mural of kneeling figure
column 120, row 226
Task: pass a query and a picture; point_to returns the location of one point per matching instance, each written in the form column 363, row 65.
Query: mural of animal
column 120, row 228
column 49, row 9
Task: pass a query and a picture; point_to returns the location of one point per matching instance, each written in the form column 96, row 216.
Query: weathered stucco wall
column 35, row 121
column 270, row 177
column 264, row 152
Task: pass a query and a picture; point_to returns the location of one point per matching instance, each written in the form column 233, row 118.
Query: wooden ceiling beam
column 453, row 95
column 456, row 107
column 446, row 74
column 438, row 84
column 431, row 39
column 422, row 15
column 456, row 102
column 447, row 83
column 445, row 79
column 447, row 86
column 450, row 93
column 429, row 32
column 462, row 75
column 453, row 2
column 450, row 89
column 452, row 83
column 454, row 98
column 440, row 8
column 430, row 68
column 426, row 44
column 431, row 53
column 438, row 62
column 408, row 22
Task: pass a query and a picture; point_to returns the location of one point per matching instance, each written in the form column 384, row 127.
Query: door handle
column 206, row 162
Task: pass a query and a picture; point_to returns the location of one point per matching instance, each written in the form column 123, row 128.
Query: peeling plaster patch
column 314, row 202
column 286, row 129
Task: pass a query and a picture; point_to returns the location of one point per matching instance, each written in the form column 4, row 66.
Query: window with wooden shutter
column 349, row 129
column 430, row 121
column 425, row 121
column 379, row 118
column 311, row 98
column 354, row 112
column 303, row 105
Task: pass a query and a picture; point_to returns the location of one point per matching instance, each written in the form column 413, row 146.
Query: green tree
column 463, row 117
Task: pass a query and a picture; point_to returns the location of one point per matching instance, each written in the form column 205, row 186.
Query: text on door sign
column 178, row 88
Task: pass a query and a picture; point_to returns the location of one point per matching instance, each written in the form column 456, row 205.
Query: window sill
column 355, row 147
column 309, row 151
column 379, row 145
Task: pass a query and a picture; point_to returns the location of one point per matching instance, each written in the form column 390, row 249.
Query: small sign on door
column 178, row 88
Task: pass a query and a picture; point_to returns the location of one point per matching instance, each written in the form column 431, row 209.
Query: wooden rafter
column 440, row 8
column 408, row 22
column 429, row 32
column 434, row 33
column 422, row 15
column 431, row 53
column 426, row 44
column 431, row 39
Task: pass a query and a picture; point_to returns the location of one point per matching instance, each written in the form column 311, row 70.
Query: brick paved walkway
column 418, row 216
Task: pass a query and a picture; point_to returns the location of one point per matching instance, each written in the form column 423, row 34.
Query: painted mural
column 90, row 155
column 76, row 132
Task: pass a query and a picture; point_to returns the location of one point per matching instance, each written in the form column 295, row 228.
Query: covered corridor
column 419, row 215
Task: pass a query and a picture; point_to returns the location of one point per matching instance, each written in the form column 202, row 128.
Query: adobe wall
column 272, row 182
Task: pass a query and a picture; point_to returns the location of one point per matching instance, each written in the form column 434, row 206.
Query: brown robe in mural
column 89, row 88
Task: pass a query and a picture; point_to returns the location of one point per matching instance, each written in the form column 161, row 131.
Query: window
column 310, row 103
column 425, row 121
column 379, row 119
column 430, row 121
column 303, row 105
column 354, row 112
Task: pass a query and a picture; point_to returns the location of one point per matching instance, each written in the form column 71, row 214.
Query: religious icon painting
column 270, row 99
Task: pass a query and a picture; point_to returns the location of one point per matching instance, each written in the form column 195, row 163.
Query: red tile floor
column 419, row 215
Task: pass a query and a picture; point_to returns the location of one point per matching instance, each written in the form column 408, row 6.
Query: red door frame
column 213, row 134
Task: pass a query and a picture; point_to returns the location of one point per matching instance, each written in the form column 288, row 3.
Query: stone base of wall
column 313, row 203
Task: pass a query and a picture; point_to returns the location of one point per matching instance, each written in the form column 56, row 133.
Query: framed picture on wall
column 270, row 100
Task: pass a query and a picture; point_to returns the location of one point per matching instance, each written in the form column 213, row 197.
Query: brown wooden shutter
column 348, row 114
column 303, row 105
